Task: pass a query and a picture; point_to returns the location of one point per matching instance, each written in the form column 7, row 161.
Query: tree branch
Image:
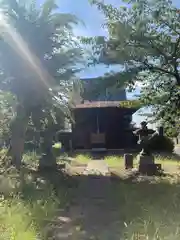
column 153, row 46
column 151, row 67
column 169, row 26
column 160, row 51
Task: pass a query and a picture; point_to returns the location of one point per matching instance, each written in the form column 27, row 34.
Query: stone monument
column 47, row 160
column 146, row 159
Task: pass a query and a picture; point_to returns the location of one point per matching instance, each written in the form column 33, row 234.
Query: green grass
column 118, row 161
column 31, row 159
column 15, row 222
column 114, row 161
column 166, row 159
column 148, row 210
column 29, row 202
column 83, row 158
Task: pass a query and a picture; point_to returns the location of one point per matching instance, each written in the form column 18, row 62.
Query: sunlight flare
column 15, row 41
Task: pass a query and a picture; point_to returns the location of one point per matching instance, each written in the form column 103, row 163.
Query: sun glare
column 15, row 41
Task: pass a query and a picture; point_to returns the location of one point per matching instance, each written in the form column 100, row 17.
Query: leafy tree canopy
column 144, row 39
column 39, row 59
column 37, row 50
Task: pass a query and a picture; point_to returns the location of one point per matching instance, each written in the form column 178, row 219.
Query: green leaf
column 146, row 37
column 48, row 7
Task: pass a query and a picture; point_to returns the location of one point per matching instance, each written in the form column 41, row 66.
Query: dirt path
column 93, row 214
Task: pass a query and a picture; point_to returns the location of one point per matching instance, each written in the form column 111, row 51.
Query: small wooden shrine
column 104, row 125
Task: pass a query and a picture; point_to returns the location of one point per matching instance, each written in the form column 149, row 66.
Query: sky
column 93, row 20
column 91, row 25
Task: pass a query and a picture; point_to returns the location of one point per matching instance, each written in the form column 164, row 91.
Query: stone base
column 150, row 169
column 47, row 163
column 147, row 165
column 146, row 159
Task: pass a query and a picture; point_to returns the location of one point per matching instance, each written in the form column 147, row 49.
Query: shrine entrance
column 102, row 125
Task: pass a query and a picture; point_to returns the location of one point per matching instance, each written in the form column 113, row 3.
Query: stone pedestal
column 146, row 159
column 47, row 162
column 128, row 161
column 146, row 164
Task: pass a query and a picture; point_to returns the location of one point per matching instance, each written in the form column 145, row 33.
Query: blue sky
column 93, row 21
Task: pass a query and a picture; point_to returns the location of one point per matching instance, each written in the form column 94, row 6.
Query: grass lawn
column 144, row 209
column 118, row 161
column 29, row 201
column 114, row 161
column 148, row 210
column 82, row 158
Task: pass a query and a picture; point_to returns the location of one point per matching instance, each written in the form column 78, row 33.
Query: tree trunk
column 18, row 131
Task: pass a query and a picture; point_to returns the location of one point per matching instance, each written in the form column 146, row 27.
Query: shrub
column 162, row 144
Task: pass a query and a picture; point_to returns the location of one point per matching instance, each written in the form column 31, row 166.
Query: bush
column 162, row 144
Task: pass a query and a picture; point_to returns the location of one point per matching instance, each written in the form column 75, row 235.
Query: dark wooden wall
column 114, row 122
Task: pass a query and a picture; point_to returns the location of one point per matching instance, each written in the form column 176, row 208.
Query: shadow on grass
column 30, row 202
column 116, row 208
column 95, row 207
